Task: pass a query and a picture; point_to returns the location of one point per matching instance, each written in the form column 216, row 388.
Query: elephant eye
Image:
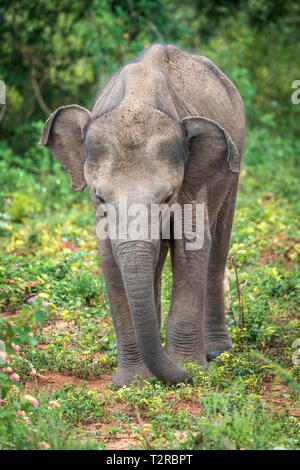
column 168, row 198
column 100, row 199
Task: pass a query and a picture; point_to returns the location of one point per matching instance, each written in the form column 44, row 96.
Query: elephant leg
column 216, row 335
column 164, row 248
column 130, row 363
column 185, row 325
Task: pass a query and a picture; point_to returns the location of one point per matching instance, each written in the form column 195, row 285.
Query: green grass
column 51, row 287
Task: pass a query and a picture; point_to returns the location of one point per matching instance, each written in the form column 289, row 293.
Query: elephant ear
column 212, row 154
column 63, row 135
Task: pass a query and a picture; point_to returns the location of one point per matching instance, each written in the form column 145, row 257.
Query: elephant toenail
column 212, row 355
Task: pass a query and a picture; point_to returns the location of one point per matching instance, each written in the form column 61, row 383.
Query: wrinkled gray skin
column 168, row 123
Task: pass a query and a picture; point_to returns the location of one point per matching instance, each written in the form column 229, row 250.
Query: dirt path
column 53, row 381
column 276, row 395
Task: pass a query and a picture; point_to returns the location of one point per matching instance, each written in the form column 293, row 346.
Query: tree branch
column 37, row 93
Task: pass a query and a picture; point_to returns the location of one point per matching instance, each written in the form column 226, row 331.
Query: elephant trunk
column 137, row 261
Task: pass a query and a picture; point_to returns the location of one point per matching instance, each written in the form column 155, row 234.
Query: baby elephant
column 167, row 130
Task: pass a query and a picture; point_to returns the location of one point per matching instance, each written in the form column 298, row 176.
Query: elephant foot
column 124, row 376
column 213, row 354
column 214, row 347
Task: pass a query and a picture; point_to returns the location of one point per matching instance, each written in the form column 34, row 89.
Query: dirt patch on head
column 278, row 396
column 54, row 381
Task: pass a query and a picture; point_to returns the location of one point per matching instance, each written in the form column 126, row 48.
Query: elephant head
column 149, row 157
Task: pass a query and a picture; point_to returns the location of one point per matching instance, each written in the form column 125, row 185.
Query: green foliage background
column 58, row 52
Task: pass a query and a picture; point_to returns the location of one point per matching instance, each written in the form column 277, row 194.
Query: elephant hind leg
column 216, row 335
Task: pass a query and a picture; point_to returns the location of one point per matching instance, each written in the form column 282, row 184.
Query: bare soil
column 277, row 395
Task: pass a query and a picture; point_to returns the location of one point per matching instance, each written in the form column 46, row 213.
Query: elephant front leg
column 185, row 325
column 130, row 363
